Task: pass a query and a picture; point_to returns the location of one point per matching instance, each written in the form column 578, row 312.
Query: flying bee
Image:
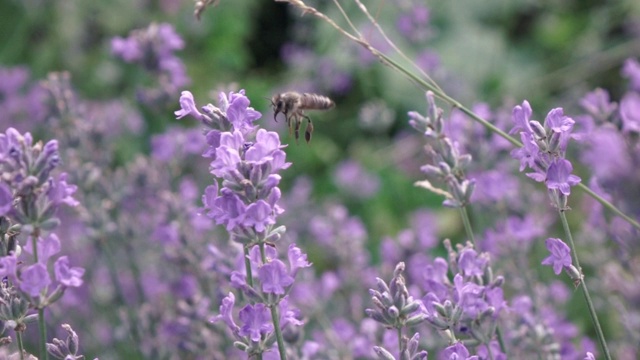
column 292, row 104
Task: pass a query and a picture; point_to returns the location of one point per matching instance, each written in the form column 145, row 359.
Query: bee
column 292, row 104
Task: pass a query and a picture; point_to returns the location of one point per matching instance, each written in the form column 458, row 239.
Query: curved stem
column 583, row 285
column 439, row 93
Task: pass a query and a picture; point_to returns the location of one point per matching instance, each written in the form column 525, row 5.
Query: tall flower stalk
column 544, row 150
column 246, row 161
column 31, row 195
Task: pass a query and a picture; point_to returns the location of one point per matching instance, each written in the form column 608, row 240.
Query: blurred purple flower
column 8, row 267
column 607, row 154
column 456, row 351
column 34, row 279
column 226, row 313
column 47, row 247
column 414, row 23
column 126, row 48
column 471, row 264
column 256, row 321
column 60, row 191
column 297, row 259
column 630, row 112
column 598, row 105
column 560, row 255
column 631, row 70
column 354, row 180
column 6, row 199
column 66, row 275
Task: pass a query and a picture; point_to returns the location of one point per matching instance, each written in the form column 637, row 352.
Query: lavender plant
column 248, row 161
column 32, row 195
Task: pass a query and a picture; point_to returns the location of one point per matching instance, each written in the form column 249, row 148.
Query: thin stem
column 20, row 344
column 608, row 205
column 275, row 317
column 467, row 224
column 583, row 285
column 247, row 267
column 441, row 95
column 43, row 335
column 41, row 324
column 400, row 342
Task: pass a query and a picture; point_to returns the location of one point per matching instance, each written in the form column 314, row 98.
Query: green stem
column 20, row 344
column 247, row 267
column 275, row 317
column 400, row 341
column 442, row 95
column 583, row 285
column 43, row 335
column 467, row 224
column 41, row 324
column 425, row 85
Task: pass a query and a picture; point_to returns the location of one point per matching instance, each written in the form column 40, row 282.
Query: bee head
column 278, row 106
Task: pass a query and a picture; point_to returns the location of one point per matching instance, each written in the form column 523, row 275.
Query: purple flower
column 528, row 153
column 589, row 356
column 226, row 313
column 236, row 105
column 297, row 259
column 34, row 279
column 187, row 107
column 471, row 264
column 60, row 191
column 256, row 321
column 274, row 277
column 228, row 209
column 128, row 49
column 8, row 267
column 354, row 180
column 68, row 276
column 521, row 116
column 631, row 70
column 630, row 112
column 227, row 154
column 560, row 255
column 47, row 247
column 6, row 199
column 259, row 215
column 598, row 104
column 456, row 351
column 559, row 176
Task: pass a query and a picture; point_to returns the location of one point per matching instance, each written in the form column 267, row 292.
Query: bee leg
column 297, row 130
column 309, row 130
column 289, row 124
column 275, row 114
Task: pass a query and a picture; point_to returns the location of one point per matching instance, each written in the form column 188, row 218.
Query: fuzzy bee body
column 293, row 104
